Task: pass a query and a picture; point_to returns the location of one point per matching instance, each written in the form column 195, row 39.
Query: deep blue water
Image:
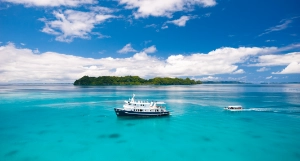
column 66, row 122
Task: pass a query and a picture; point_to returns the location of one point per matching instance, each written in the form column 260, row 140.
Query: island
column 133, row 80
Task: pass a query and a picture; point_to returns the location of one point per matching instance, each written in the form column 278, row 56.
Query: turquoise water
column 64, row 122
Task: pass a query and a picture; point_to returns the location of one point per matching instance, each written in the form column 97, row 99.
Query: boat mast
column 132, row 99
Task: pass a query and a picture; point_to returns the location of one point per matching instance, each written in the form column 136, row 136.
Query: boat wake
column 276, row 110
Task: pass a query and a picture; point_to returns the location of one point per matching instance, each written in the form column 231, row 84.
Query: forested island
column 133, row 80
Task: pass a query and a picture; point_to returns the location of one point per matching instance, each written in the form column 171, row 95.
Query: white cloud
column 277, row 60
column 100, row 9
column 284, row 24
column 163, row 8
column 239, row 71
column 22, row 44
column 36, row 51
column 23, row 65
column 52, row 3
column 292, row 68
column 289, row 47
column 100, row 36
column 72, row 24
column 181, row 21
column 126, row 49
column 263, row 69
column 164, row 27
column 269, row 77
column 290, row 60
column 152, row 25
column 210, row 78
column 151, row 49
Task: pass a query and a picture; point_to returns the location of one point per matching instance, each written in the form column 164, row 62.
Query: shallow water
column 66, row 122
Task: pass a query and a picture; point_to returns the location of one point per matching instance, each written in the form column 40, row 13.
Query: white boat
column 234, row 108
column 142, row 108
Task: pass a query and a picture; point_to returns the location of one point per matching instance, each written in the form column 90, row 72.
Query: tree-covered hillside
column 133, row 80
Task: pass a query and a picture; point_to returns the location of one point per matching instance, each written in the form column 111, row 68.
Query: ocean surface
column 62, row 122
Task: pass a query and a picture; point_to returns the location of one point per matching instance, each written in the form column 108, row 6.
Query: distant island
column 224, row 82
column 133, row 80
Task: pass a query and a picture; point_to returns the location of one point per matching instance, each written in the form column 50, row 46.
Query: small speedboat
column 233, row 108
column 142, row 108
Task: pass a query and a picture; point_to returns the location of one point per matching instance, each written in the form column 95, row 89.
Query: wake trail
column 273, row 109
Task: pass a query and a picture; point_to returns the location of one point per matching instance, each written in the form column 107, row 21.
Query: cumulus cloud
column 151, row 49
column 277, row 60
column 292, row 68
column 52, row 3
column 181, row 21
column 269, row 77
column 163, row 8
column 72, row 24
column 36, row 51
column 290, row 60
column 127, row 49
column 24, row 65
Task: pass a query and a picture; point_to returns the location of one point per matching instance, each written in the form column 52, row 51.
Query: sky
column 59, row 41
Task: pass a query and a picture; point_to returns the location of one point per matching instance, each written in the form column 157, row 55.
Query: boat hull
column 232, row 109
column 121, row 112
